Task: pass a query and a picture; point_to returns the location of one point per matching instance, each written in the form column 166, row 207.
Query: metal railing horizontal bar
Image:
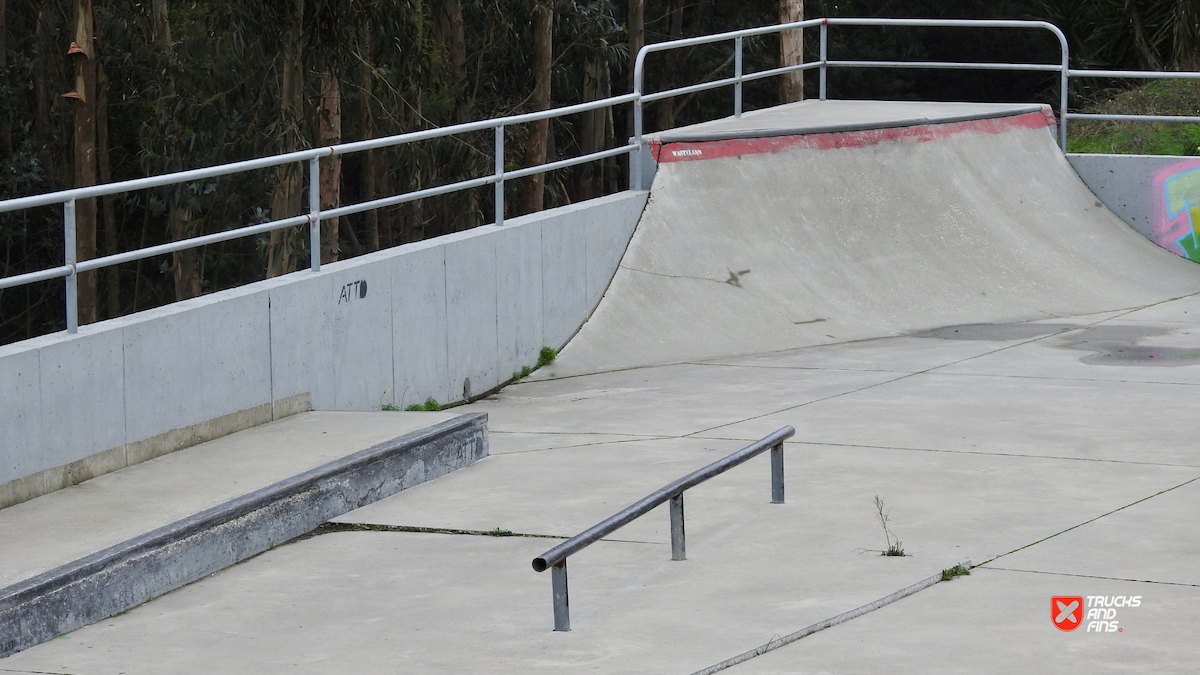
column 298, row 156
column 642, row 506
column 407, row 197
column 215, row 238
column 573, row 161
column 950, row 65
column 1134, row 118
column 946, row 23
column 384, row 202
column 482, row 125
column 659, row 95
column 763, row 74
column 720, row 37
column 33, row 277
column 106, row 189
column 1136, row 74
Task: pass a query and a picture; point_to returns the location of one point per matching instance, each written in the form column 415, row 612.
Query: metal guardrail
column 72, row 267
column 556, row 558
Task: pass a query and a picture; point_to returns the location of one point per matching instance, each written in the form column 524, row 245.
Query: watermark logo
column 1097, row 612
column 1066, row 611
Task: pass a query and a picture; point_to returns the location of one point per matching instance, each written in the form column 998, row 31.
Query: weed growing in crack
column 500, row 532
column 956, row 571
column 894, row 548
column 545, row 357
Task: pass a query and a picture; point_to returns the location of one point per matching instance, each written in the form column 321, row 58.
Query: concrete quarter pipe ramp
column 829, row 221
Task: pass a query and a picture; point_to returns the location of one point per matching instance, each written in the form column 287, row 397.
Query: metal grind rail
column 556, row 558
column 66, row 199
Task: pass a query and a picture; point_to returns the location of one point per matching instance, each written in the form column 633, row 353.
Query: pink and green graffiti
column 1177, row 208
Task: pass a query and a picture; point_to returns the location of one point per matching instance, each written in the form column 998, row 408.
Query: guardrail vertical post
column 1064, row 85
column 737, row 73
column 500, row 177
column 72, row 279
column 314, row 213
column 635, row 157
column 678, row 540
column 824, row 57
column 777, row 474
column 562, row 608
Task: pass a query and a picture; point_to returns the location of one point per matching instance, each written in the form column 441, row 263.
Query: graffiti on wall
column 1176, row 198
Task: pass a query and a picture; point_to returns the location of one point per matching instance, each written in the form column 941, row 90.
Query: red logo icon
column 1066, row 611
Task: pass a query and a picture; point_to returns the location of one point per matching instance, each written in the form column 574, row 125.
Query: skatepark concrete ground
column 1052, row 449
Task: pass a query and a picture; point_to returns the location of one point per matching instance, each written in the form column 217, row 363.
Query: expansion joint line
column 777, row 642
column 1090, row 520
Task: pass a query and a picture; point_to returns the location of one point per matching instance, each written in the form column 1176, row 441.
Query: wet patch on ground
column 1117, row 346
column 1109, row 345
column 999, row 332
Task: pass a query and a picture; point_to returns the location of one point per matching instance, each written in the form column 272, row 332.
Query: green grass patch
column 430, row 405
column 1165, row 97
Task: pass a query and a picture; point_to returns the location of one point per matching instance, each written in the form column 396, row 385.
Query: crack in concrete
column 1094, row 576
column 1091, row 520
column 587, row 445
column 914, row 374
column 684, row 276
column 327, row 528
column 776, row 642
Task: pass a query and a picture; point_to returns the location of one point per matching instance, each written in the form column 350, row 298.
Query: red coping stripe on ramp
column 687, row 152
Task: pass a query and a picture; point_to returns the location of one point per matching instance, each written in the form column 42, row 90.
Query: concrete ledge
column 128, row 574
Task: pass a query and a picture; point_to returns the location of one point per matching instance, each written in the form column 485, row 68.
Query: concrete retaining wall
column 448, row 318
column 1152, row 193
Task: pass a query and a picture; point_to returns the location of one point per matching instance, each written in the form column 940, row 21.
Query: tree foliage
column 202, row 82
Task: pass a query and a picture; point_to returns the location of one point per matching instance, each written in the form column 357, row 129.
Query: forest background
column 95, row 91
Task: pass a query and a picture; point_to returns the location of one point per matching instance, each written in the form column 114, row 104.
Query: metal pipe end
column 539, row 565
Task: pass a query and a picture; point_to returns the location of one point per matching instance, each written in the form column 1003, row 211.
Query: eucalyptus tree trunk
column 458, row 60
column 533, row 189
column 596, row 86
column 6, row 145
column 180, row 226
column 112, row 274
column 330, row 132
column 636, row 19
column 666, row 107
column 791, row 52
column 372, row 166
column 289, row 178
column 83, row 51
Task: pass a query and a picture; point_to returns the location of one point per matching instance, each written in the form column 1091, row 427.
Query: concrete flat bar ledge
column 97, row 549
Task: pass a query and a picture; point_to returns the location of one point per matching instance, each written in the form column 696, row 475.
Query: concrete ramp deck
column 773, row 232
column 83, row 553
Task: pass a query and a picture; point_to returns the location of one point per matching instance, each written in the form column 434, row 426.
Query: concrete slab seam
column 1091, row 520
column 1092, row 576
column 905, row 376
column 828, row 623
column 130, row 573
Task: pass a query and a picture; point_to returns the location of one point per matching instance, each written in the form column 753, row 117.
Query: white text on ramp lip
column 692, row 152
